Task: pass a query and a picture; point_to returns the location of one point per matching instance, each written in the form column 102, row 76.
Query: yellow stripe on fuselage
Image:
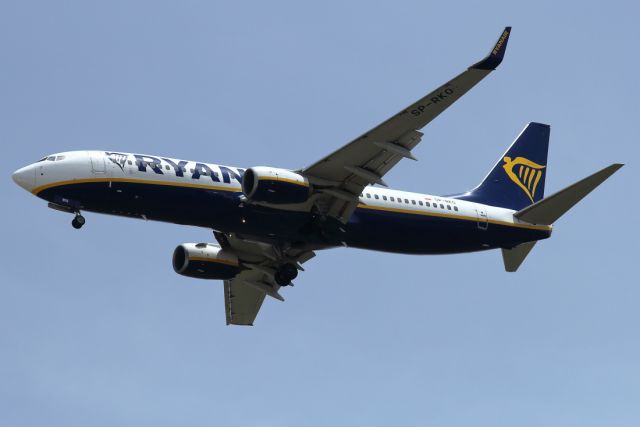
column 220, row 261
column 461, row 217
column 290, row 181
column 133, row 181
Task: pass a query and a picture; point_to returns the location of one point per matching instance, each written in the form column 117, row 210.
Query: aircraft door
column 98, row 165
column 483, row 219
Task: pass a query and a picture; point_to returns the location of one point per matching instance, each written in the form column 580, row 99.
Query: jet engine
column 277, row 186
column 205, row 261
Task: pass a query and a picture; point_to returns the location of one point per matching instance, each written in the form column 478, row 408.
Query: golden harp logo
column 525, row 173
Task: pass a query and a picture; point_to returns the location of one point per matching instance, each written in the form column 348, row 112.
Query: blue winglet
column 496, row 55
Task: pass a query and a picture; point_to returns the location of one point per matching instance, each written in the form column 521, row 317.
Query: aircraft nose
column 25, row 177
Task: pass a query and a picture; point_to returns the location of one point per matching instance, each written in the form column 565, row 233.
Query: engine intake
column 205, row 261
column 278, row 186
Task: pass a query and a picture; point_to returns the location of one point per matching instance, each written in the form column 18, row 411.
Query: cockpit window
column 51, row 159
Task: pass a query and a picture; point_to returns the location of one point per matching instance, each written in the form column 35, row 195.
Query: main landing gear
column 78, row 221
column 285, row 274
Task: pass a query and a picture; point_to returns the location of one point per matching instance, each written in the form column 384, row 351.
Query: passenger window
column 368, row 196
column 376, row 196
column 455, row 208
column 407, row 201
column 392, row 199
column 414, row 202
column 419, row 202
column 428, row 204
column 448, row 207
column 167, row 167
column 384, row 197
column 441, row 206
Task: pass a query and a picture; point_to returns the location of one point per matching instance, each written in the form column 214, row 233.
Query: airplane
column 269, row 221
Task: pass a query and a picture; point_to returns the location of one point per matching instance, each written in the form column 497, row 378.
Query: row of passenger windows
column 411, row 202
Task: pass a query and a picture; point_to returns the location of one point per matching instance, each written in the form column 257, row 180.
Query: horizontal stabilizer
column 549, row 209
column 513, row 257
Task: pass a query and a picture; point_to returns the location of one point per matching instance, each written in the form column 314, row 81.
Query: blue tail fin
column 517, row 180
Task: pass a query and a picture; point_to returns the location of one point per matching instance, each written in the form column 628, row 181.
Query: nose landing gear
column 78, row 221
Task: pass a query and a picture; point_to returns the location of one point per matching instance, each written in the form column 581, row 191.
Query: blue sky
column 96, row 328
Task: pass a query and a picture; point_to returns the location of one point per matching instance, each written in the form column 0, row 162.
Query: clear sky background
column 97, row 330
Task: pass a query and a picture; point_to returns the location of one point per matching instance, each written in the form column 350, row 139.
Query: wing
column 245, row 293
column 342, row 175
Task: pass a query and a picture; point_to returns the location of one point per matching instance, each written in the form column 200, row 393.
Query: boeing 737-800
column 269, row 221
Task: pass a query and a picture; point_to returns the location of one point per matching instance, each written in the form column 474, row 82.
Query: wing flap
column 242, row 302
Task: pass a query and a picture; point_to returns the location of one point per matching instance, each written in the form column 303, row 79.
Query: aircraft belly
column 420, row 234
column 225, row 211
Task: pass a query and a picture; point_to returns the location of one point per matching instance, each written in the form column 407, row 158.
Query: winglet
column 496, row 55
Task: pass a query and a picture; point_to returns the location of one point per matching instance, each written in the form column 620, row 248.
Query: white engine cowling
column 205, row 261
column 272, row 185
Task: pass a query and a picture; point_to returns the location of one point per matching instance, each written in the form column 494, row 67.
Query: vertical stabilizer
column 517, row 179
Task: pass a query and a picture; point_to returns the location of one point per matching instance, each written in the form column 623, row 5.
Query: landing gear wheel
column 78, row 222
column 286, row 274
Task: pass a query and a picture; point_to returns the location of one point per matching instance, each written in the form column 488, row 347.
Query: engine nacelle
column 271, row 185
column 205, row 261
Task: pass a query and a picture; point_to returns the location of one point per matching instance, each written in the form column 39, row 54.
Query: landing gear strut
column 285, row 274
column 78, row 221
